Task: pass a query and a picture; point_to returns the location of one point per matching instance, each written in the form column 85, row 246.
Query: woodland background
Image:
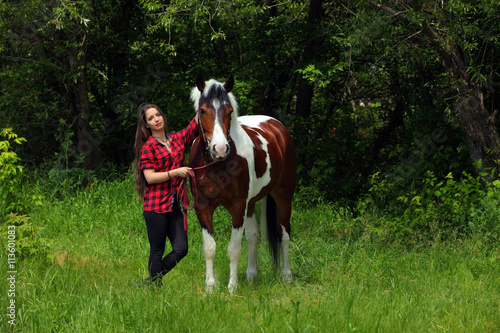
column 391, row 104
column 393, row 108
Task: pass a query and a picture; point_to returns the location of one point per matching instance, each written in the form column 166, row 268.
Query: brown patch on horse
column 259, row 153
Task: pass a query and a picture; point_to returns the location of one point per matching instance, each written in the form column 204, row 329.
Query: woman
column 158, row 166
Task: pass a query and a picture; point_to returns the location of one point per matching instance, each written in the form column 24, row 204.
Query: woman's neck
column 159, row 135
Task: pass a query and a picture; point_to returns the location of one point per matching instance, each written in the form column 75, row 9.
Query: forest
column 391, row 104
column 393, row 108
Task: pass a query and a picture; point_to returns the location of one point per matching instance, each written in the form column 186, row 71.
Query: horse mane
column 209, row 86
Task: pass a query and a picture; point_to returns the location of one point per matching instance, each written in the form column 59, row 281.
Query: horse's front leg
column 209, row 246
column 234, row 247
column 209, row 252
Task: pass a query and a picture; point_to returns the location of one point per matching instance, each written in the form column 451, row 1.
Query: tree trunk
column 268, row 100
column 86, row 143
column 482, row 137
column 312, row 43
column 480, row 131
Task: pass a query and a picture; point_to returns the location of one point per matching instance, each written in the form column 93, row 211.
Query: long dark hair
column 142, row 135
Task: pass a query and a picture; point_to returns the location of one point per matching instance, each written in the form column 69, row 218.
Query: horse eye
column 202, row 112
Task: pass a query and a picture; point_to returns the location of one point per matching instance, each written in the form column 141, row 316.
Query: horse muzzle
column 219, row 152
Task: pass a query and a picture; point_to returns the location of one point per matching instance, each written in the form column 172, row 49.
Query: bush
column 11, row 177
column 27, row 235
column 434, row 207
column 485, row 216
column 13, row 204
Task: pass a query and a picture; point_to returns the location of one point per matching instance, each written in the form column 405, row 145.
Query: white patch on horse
column 254, row 122
column 209, row 252
column 219, row 141
column 234, row 254
column 286, row 272
column 261, row 182
column 252, row 235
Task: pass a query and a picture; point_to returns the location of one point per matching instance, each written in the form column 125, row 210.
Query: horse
column 237, row 161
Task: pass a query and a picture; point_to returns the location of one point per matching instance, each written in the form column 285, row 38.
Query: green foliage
column 378, row 90
column 64, row 171
column 11, row 175
column 485, row 216
column 14, row 202
column 432, row 208
column 28, row 240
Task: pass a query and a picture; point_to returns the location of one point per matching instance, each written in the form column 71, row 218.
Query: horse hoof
column 287, row 277
column 251, row 275
column 232, row 288
column 210, row 287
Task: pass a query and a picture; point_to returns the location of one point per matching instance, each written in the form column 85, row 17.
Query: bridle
column 182, row 195
column 202, row 131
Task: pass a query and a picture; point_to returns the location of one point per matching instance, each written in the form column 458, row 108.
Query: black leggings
column 161, row 226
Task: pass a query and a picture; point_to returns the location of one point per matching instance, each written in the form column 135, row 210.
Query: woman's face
column 154, row 120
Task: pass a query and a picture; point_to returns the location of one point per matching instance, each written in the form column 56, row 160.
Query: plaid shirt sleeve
column 187, row 135
column 159, row 198
column 147, row 157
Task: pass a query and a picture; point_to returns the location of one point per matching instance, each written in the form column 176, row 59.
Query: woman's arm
column 153, row 177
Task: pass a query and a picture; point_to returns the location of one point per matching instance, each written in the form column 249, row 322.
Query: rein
column 182, row 195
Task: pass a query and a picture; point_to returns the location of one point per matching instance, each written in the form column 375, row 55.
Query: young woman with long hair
column 159, row 167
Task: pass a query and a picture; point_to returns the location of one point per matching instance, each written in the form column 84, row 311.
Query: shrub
column 485, row 216
column 13, row 203
column 428, row 209
column 28, row 239
column 10, row 176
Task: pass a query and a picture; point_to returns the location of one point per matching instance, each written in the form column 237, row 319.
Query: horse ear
column 229, row 84
column 200, row 82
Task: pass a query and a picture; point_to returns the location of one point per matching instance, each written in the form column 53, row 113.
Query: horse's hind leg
column 234, row 254
column 284, row 207
column 286, row 272
column 252, row 235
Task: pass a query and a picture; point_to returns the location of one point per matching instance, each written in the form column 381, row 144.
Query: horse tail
column 273, row 238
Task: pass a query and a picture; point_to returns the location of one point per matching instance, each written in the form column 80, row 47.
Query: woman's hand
column 153, row 177
column 181, row 172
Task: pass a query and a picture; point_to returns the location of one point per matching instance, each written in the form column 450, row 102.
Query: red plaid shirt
column 159, row 198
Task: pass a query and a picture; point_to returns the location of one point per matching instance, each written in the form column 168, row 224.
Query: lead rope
column 182, row 195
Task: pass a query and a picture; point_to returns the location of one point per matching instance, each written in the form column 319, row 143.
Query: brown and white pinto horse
column 254, row 159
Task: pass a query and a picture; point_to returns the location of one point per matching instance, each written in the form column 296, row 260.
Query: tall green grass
column 344, row 279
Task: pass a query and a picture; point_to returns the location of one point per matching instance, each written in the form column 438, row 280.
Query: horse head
column 217, row 111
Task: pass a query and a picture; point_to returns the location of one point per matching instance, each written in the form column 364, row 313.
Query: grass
column 341, row 283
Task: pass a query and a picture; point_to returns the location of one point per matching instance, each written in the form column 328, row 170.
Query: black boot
column 148, row 282
column 143, row 282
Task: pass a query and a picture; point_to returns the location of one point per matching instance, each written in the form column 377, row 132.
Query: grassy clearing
column 341, row 283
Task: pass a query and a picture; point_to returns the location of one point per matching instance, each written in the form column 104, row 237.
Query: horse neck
column 236, row 129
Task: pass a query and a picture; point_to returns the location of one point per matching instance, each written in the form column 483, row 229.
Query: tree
column 51, row 40
column 464, row 36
